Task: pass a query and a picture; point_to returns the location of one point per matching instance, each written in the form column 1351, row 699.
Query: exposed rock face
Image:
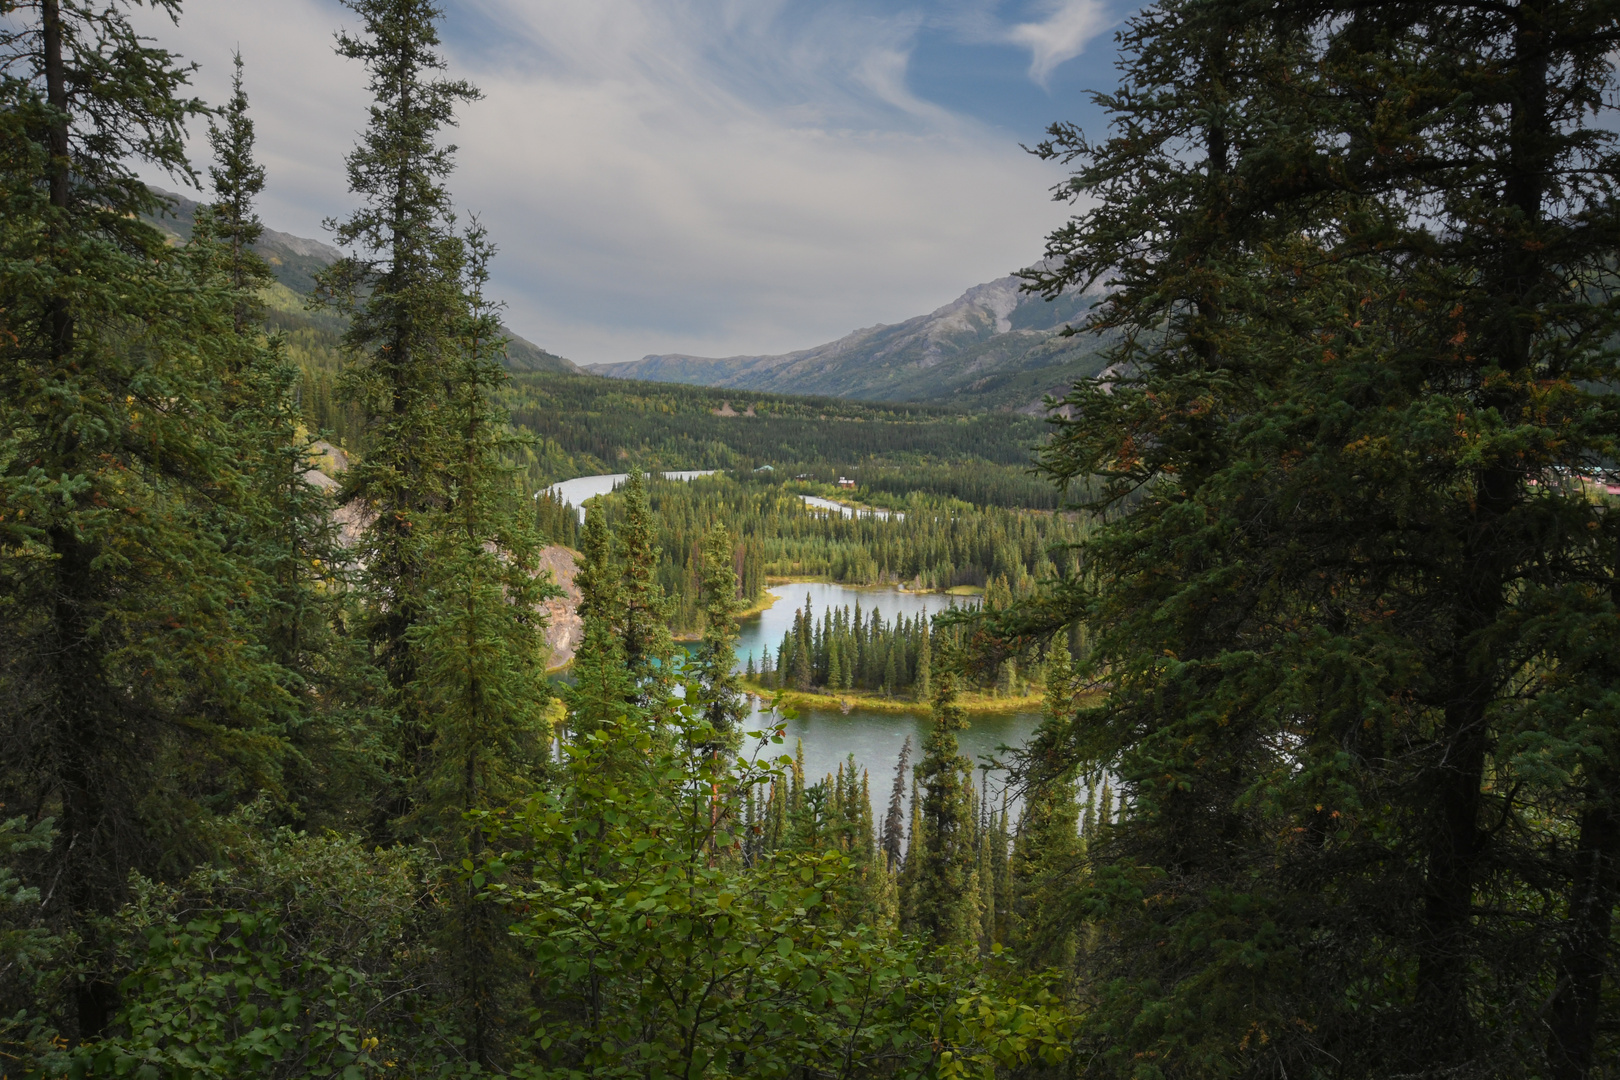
column 564, row 628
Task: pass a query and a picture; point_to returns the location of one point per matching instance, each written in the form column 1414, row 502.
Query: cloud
column 1061, row 36
column 702, row 176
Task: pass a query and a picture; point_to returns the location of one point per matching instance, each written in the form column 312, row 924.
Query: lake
column 830, row 735
column 581, row 489
column 764, row 631
column 874, row 738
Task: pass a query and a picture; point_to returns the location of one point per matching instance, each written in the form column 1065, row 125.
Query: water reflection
column 875, row 738
column 765, row 630
column 819, row 503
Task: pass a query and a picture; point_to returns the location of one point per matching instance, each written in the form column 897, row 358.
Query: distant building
column 845, row 482
column 764, row 468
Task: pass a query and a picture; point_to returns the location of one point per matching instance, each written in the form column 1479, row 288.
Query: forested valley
column 1318, row 583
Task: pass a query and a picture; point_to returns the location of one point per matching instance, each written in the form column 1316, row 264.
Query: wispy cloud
column 706, row 176
column 1061, row 36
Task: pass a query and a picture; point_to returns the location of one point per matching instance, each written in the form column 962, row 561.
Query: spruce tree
column 941, row 906
column 481, row 634
column 598, row 575
column 648, row 648
column 1351, row 257
column 402, row 292
column 923, row 686
column 1046, row 852
column 723, row 703
column 894, row 822
column 237, row 180
column 479, row 651
column 137, row 700
column 285, row 530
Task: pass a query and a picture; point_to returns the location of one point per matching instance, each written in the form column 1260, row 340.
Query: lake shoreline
column 954, row 590
column 765, row 602
column 971, row 702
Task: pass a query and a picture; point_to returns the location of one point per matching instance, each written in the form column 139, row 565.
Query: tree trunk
column 1576, row 1005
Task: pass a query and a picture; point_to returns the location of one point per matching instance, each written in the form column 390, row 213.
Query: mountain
column 994, row 346
column 295, row 260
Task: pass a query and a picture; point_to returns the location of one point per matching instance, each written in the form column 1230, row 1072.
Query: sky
column 712, row 177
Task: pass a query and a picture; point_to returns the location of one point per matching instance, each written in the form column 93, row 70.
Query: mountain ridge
column 295, row 260
column 994, row 345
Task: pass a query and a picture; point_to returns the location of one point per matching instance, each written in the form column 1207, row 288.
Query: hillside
column 993, row 346
column 295, row 260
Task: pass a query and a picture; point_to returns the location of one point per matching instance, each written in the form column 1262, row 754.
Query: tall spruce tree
column 648, row 647
column 1046, row 852
column 603, row 693
column 1355, row 588
column 894, row 821
column 285, row 530
column 135, row 698
column 479, row 645
column 403, row 293
column 237, row 180
column 941, row 906
column 723, row 703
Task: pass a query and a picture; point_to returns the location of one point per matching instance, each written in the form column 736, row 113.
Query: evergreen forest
column 1318, row 583
column 928, row 543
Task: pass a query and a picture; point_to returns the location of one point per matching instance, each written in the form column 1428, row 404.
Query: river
column 581, row 489
column 816, row 502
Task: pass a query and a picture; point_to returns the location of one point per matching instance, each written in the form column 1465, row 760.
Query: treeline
column 929, row 544
column 847, row 650
column 585, row 425
column 669, row 426
column 1012, row 866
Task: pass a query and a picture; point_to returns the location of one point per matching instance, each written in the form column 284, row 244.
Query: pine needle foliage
column 941, row 906
column 1349, row 603
column 135, row 701
column 402, row 292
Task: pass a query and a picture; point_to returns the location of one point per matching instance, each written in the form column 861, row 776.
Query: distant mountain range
column 295, row 260
column 993, row 346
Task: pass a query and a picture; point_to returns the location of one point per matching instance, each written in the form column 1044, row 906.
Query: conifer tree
column 1046, row 851
column 136, row 697
column 479, row 648
column 603, row 694
column 648, row 648
column 237, row 180
column 925, row 660
column 802, row 670
column 285, row 530
column 403, row 293
column 941, row 906
column 894, row 822
column 480, row 637
column 1351, row 257
column 598, row 576
column 724, row 705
